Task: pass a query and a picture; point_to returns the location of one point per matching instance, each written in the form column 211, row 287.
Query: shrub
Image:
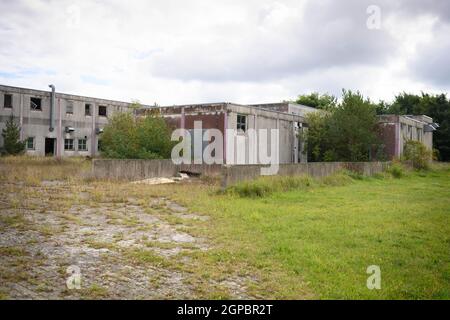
column 266, row 186
column 417, row 154
column 144, row 138
column 396, row 170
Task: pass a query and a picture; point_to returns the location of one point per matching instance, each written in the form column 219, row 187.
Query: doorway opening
column 50, row 146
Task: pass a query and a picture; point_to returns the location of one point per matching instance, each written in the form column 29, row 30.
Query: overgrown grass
column 293, row 237
column 269, row 185
column 318, row 241
column 32, row 170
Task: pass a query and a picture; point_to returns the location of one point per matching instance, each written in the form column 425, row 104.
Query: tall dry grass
column 32, row 170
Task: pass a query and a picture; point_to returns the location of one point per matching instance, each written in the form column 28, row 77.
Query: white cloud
column 174, row 52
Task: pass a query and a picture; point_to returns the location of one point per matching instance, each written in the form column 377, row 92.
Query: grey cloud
column 330, row 33
column 432, row 62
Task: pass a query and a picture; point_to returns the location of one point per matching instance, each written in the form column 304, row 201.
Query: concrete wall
column 133, row 169
column 394, row 131
column 36, row 123
column 245, row 151
column 144, row 169
column 235, row 174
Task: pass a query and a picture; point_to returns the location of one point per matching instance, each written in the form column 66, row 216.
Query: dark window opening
column 68, row 144
column 82, row 144
column 241, row 122
column 99, row 145
column 87, row 109
column 30, row 143
column 102, row 111
column 69, row 108
column 7, row 102
column 35, row 104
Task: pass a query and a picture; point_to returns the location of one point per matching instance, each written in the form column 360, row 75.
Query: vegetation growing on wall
column 127, row 137
column 11, row 137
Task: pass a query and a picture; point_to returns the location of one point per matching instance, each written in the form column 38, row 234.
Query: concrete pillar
column 59, row 135
column 225, row 127
column 21, row 117
column 93, row 133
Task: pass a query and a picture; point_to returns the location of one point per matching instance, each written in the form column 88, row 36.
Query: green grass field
column 317, row 241
column 289, row 237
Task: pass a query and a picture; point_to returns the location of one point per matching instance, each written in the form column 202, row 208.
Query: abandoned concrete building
column 395, row 130
column 242, row 121
column 62, row 124
column 56, row 123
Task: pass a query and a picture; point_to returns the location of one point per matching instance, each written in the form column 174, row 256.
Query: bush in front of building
column 127, row 137
column 345, row 132
column 396, row 170
column 11, row 138
column 418, row 154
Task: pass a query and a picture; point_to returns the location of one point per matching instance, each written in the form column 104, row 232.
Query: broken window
column 35, row 104
column 87, row 109
column 7, row 102
column 30, row 143
column 102, row 111
column 99, row 145
column 68, row 144
column 82, row 145
column 69, row 107
column 241, row 122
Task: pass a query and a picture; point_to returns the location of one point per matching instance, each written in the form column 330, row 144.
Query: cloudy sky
column 174, row 52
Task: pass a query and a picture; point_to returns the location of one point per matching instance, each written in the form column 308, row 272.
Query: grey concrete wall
column 144, row 169
column 133, row 169
column 235, row 174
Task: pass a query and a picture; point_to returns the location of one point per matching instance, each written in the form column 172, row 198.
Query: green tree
column 317, row 141
column 345, row 134
column 316, row 100
column 11, row 138
column 127, row 137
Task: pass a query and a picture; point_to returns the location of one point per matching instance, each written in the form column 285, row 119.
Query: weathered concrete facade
column 77, row 121
column 395, row 130
column 71, row 125
column 241, row 126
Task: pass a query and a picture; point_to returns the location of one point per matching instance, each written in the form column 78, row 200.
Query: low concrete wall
column 144, row 169
column 235, row 174
column 133, row 169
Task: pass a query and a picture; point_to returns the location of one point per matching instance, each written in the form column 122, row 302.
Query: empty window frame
column 68, row 144
column 99, row 145
column 241, row 122
column 69, row 107
column 87, row 109
column 7, row 101
column 82, row 145
column 36, row 104
column 102, row 111
column 30, row 143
